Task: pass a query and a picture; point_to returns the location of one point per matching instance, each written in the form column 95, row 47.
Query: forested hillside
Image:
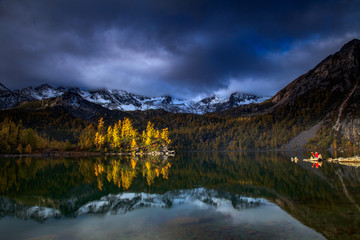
column 186, row 131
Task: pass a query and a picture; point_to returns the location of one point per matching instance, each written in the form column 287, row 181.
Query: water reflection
column 122, row 172
column 194, row 214
column 17, row 176
column 324, row 198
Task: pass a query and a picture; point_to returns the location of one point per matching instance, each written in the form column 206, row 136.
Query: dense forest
column 14, row 138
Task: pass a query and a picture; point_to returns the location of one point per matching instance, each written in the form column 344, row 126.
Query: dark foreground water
column 191, row 196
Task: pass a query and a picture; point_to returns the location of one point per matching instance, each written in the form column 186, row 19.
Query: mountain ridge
column 330, row 69
column 125, row 101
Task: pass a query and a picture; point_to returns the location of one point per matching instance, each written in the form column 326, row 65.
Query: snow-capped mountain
column 125, row 101
column 41, row 92
column 216, row 104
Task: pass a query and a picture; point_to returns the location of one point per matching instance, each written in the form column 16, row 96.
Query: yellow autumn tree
column 157, row 134
column 165, row 136
column 133, row 145
column 128, row 133
column 100, row 135
column 101, row 127
column 99, row 140
column 115, row 142
column 127, row 130
column 109, row 135
column 150, row 134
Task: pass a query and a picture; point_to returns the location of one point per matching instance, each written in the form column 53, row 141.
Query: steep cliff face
column 350, row 129
column 347, row 74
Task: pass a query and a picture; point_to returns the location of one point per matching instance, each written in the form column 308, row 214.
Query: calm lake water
column 254, row 195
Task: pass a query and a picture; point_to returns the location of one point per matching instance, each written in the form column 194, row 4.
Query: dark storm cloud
column 182, row 48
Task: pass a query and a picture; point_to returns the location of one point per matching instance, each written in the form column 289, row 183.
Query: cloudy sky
column 184, row 48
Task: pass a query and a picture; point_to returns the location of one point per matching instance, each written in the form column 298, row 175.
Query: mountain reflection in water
column 325, row 199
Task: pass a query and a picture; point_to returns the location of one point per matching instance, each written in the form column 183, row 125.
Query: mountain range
column 125, row 101
column 322, row 105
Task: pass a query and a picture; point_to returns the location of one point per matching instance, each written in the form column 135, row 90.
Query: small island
column 120, row 138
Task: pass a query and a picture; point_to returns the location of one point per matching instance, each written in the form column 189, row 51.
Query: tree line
column 15, row 138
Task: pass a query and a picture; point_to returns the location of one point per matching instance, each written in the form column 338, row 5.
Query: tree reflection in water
column 18, row 175
column 121, row 172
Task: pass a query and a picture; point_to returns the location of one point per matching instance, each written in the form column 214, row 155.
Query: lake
column 246, row 195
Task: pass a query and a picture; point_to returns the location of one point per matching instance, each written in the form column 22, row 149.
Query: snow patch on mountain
column 46, row 91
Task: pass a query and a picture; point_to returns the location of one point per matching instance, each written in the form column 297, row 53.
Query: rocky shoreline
column 342, row 159
column 347, row 161
column 336, row 160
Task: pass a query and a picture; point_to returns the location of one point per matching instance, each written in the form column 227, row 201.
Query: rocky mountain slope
column 337, row 74
column 333, row 85
column 125, row 101
column 327, row 94
column 9, row 99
